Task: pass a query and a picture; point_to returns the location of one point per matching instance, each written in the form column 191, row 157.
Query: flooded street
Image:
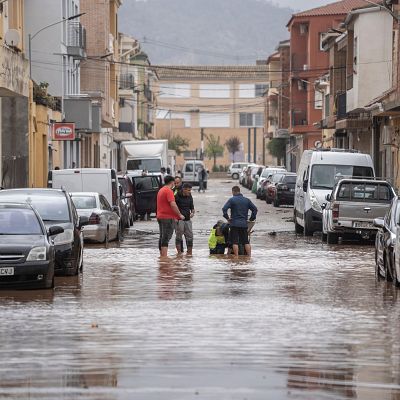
column 301, row 320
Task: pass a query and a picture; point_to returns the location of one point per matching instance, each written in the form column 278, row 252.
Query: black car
column 284, row 190
column 55, row 207
column 27, row 253
column 385, row 241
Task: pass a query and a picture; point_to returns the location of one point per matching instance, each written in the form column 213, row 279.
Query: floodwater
column 300, row 320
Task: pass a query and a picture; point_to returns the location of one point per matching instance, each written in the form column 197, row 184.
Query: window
column 104, row 204
column 261, row 89
column 251, row 120
column 84, row 202
column 215, row 91
column 364, row 192
column 189, row 168
column 175, row 90
column 247, row 91
column 214, row 120
column 165, row 114
column 317, row 100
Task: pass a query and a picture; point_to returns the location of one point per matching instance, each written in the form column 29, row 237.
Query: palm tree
column 214, row 148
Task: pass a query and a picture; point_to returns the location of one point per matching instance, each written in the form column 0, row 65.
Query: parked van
column 100, row 180
column 190, row 172
column 318, row 172
column 236, row 168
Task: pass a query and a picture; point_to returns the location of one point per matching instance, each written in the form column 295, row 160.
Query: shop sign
column 63, row 131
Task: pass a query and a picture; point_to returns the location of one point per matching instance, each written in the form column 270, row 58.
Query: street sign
column 63, row 131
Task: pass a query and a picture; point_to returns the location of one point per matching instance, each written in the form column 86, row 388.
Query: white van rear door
column 70, row 180
column 98, row 182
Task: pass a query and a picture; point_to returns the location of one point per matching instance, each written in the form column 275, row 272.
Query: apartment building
column 14, row 93
column 196, row 102
column 58, row 46
column 308, row 62
column 99, row 81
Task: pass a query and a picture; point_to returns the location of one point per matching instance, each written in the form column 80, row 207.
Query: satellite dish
column 318, row 144
column 12, row 38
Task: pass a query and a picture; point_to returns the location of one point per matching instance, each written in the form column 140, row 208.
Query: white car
column 235, row 169
column 104, row 222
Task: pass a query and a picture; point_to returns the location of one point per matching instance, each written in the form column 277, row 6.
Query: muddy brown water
column 300, row 320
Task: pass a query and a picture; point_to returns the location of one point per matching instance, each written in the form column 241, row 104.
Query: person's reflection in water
column 175, row 279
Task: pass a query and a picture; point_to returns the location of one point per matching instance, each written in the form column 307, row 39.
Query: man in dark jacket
column 184, row 201
column 239, row 207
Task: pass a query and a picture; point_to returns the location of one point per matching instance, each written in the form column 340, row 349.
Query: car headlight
column 37, row 254
column 64, row 238
column 314, row 203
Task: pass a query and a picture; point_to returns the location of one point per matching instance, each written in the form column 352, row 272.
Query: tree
column 177, row 143
column 277, row 148
column 233, row 145
column 214, row 148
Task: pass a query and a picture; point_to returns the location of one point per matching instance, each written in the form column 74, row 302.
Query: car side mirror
column 305, row 185
column 328, row 197
column 55, row 230
column 83, row 220
column 379, row 223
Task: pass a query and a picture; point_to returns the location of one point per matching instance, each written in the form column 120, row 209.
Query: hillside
column 205, row 31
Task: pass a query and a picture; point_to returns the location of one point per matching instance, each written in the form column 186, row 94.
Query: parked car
column 235, row 169
column 55, row 207
column 386, row 243
column 27, row 250
column 266, row 173
column 283, row 190
column 252, row 173
column 352, row 207
column 104, row 222
column 145, row 189
column 246, row 173
column 316, row 178
column 270, row 187
column 127, row 187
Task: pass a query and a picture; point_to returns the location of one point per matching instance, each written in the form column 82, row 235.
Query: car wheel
column 132, row 219
column 388, row 266
column 235, row 176
column 324, row 237
column 394, row 275
column 268, row 200
column 81, row 261
column 297, row 227
column 276, row 203
column 107, row 236
column 119, row 234
column 332, row 238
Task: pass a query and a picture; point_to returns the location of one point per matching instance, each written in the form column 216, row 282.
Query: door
column 145, row 193
column 189, row 173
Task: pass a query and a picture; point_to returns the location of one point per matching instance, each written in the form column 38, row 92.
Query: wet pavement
column 300, row 320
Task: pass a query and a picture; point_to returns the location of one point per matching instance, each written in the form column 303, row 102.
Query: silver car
column 104, row 222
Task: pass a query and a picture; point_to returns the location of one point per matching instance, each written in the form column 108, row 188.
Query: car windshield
column 290, row 178
column 148, row 165
column 18, row 221
column 51, row 206
column 323, row 176
column 84, row 202
column 277, row 177
column 268, row 172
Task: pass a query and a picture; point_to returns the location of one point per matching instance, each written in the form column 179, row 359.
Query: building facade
column 223, row 101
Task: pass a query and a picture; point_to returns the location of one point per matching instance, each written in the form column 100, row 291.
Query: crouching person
column 184, row 201
column 218, row 240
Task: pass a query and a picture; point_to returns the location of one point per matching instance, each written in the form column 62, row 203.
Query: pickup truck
column 352, row 206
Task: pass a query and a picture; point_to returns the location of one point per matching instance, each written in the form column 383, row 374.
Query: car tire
column 119, row 234
column 297, row 227
column 276, row 203
column 332, row 238
column 324, row 237
column 394, row 275
column 268, row 200
column 307, row 230
column 107, row 236
column 235, row 176
column 388, row 267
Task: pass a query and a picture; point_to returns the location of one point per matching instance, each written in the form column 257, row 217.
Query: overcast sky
column 301, row 4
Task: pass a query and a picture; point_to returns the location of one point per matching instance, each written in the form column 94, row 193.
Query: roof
column 212, row 72
column 342, row 7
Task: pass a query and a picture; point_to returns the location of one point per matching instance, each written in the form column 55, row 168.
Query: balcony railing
column 126, row 81
column 76, row 39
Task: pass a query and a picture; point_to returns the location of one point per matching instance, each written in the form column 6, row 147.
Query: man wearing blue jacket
column 239, row 207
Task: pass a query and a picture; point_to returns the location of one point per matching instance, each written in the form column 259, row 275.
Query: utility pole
column 248, row 144
column 255, row 146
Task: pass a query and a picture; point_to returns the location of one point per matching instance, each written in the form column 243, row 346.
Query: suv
column 236, row 168
column 55, row 207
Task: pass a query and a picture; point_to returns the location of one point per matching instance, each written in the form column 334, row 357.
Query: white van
column 190, row 171
column 318, row 172
column 100, row 180
column 236, row 168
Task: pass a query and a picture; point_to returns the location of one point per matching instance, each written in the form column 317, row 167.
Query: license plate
column 6, row 271
column 363, row 224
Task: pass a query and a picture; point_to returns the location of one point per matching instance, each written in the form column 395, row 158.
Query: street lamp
column 31, row 37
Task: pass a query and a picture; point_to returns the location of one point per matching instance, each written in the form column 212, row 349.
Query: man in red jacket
column 167, row 214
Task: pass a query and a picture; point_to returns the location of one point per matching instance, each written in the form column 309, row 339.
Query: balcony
column 126, row 82
column 76, row 40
